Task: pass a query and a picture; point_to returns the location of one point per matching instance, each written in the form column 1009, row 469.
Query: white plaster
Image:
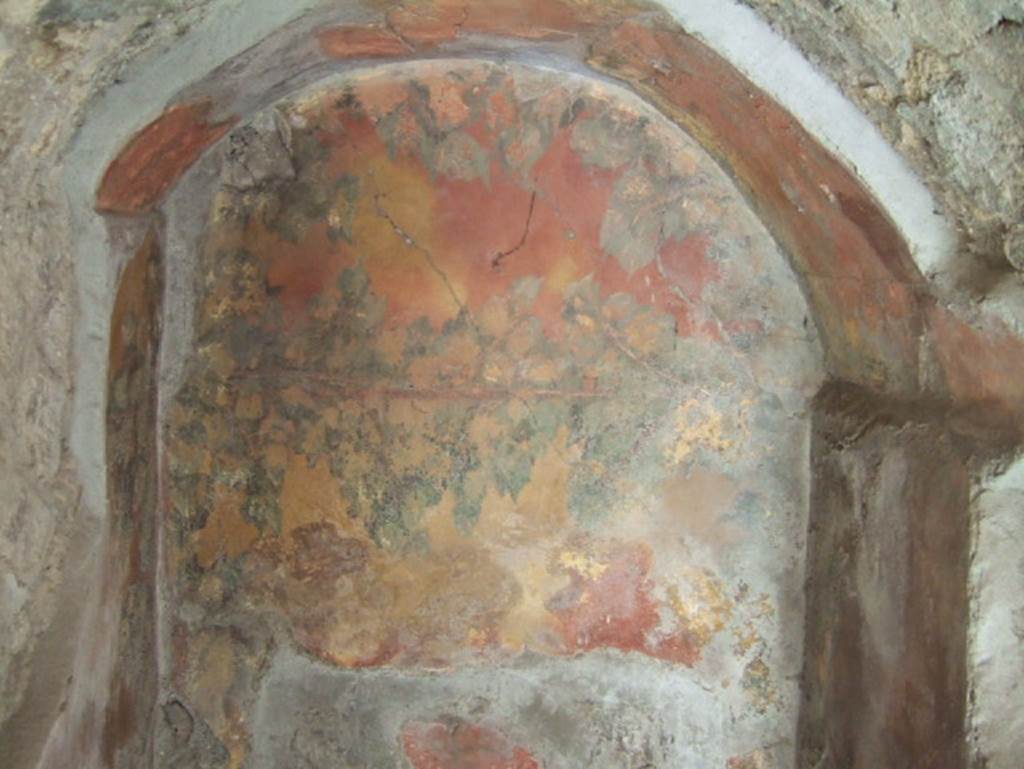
column 771, row 63
column 996, row 655
column 13, row 593
column 5, row 51
column 1010, row 478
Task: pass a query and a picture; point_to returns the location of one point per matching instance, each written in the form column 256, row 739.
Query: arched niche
column 368, row 251
column 489, row 364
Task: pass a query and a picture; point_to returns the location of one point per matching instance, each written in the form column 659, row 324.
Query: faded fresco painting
column 486, row 363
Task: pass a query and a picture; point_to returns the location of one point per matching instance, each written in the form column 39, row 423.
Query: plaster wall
column 885, row 664
column 997, row 614
column 78, row 78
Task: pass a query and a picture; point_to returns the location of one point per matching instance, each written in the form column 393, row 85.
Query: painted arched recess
column 490, row 362
column 485, row 399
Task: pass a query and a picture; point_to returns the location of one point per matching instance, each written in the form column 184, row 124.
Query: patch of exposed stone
column 943, row 82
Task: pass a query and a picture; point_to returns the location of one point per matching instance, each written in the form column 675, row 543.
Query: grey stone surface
column 604, row 710
column 184, row 740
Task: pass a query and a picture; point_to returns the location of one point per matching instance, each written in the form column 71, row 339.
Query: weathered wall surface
column 943, row 81
column 885, row 654
column 57, row 56
column 997, row 608
column 490, row 362
column 48, row 540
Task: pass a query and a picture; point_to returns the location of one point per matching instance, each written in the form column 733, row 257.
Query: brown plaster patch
column 131, row 482
column 980, row 367
column 156, row 157
column 361, row 43
column 119, row 724
column 455, row 744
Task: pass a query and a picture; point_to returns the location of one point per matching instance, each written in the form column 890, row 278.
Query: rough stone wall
column 944, row 83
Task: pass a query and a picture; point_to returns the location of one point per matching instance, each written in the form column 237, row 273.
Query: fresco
column 130, row 557
column 490, row 362
column 874, row 311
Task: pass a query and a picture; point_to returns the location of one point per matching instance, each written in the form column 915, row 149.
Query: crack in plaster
column 502, row 255
column 428, row 257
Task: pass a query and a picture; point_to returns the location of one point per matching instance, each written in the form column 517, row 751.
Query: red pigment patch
column 502, row 111
column 563, row 176
column 361, row 43
column 528, row 19
column 428, row 25
column 458, row 745
column 157, row 157
column 320, row 554
column 979, row 365
column 431, row 24
column 477, row 221
column 614, row 609
column 136, row 296
column 686, row 265
column 490, row 249
column 352, row 137
column 755, row 760
column 681, row 648
column 584, row 190
column 299, row 273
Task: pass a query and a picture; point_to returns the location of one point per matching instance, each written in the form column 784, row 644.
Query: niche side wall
column 884, row 658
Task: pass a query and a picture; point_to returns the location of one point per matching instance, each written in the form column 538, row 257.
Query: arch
column 881, row 329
